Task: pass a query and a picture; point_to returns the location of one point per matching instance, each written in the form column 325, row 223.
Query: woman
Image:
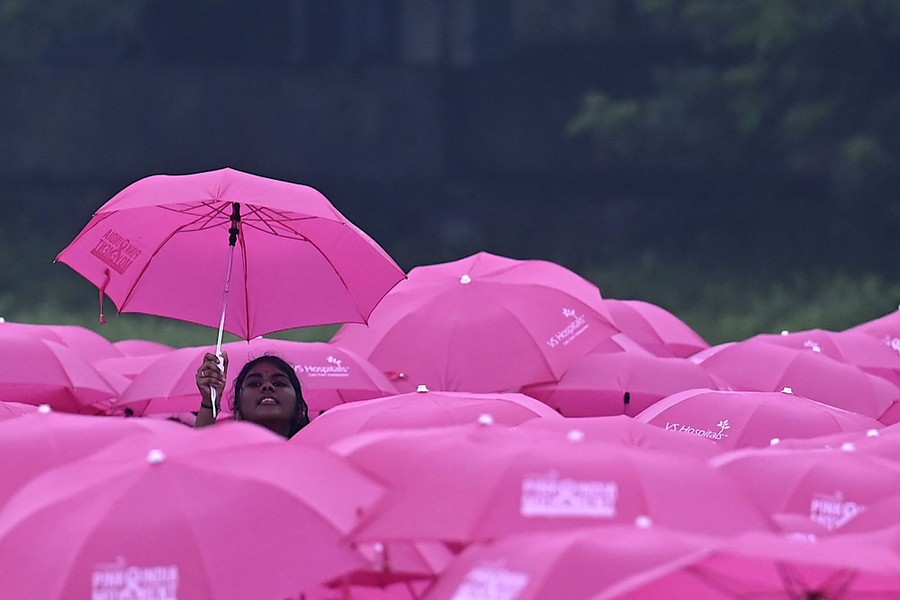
column 266, row 392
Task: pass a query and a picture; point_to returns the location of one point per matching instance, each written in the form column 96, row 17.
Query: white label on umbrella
column 334, row 368
column 491, row 583
column 571, row 331
column 115, row 581
column 832, row 511
column 713, row 434
column 550, row 496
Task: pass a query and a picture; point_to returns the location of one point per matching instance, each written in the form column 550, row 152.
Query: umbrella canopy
column 572, row 564
column 141, row 347
column 420, row 409
column 626, row 431
column 601, row 384
column 297, row 260
column 90, row 345
column 37, row 371
column 767, row 565
column 484, row 323
column 37, row 442
column 758, row 366
column 851, row 347
column 832, row 488
column 133, row 522
column 9, row 410
column 468, row 484
column 329, row 376
column 750, row 419
column 655, row 328
column 885, row 328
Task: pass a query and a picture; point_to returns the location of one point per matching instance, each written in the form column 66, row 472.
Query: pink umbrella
column 484, row 323
column 850, row 347
column 757, row 366
column 422, row 409
column 655, row 328
column 618, row 383
column 19, row 329
column 767, row 565
column 37, row 442
column 832, row 488
column 137, row 520
column 626, row 431
column 90, row 345
column 571, row 564
column 141, row 347
column 329, row 376
column 885, row 328
column 36, row 371
column 299, row 261
column 746, row 419
column 9, row 410
column 462, row 485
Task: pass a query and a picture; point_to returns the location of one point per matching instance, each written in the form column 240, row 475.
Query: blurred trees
column 773, row 122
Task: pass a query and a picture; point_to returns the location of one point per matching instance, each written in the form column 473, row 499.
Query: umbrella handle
column 212, row 390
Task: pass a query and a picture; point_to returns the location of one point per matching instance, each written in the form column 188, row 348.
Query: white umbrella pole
column 233, row 232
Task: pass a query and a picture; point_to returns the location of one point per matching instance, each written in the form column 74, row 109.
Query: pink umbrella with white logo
column 655, row 328
column 747, row 419
column 467, row 484
column 768, row 565
column 38, row 371
column 762, row 367
column 484, row 323
column 626, row 431
column 602, row 384
column 292, row 258
column 329, row 376
column 139, row 520
column 421, row 409
column 832, row 488
column 570, row 564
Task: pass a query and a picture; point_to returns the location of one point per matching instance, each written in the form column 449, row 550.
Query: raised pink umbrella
column 768, row 565
column 421, row 409
column 602, row 384
column 851, row 347
column 655, row 328
column 138, row 520
column 462, row 485
column 832, row 488
column 626, row 431
column 762, row 367
column 750, row 419
column 37, row 371
column 291, row 258
column 484, row 323
column 570, row 564
column 328, row 375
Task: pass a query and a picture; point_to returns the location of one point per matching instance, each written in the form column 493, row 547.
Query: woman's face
column 267, row 395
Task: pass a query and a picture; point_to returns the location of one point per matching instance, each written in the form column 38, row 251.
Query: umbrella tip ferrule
column 421, row 388
column 643, row 522
column 45, row 409
column 576, row 435
column 465, row 279
column 485, row 419
column 156, row 456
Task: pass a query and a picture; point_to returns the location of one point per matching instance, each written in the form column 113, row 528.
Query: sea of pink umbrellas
column 498, row 431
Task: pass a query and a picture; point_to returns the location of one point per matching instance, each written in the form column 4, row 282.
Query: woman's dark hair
column 301, row 416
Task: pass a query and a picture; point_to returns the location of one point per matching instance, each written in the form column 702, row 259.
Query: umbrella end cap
column 485, row 420
column 421, row 388
column 156, row 456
